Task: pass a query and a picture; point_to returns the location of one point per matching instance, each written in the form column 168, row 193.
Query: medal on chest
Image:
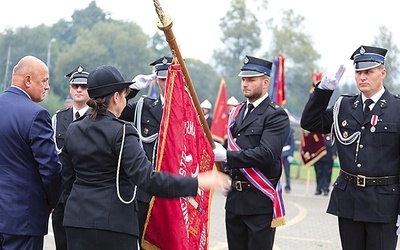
column 374, row 121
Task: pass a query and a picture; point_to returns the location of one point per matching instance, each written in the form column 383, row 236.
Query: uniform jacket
column 377, row 155
column 150, row 124
column 30, row 172
column 62, row 119
column 90, row 158
column 261, row 136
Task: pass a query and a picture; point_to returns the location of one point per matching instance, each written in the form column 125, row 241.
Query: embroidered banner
column 183, row 149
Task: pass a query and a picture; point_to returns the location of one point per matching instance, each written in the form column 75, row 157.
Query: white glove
column 330, row 82
column 219, row 152
column 225, row 191
column 290, row 159
column 142, row 81
column 398, row 225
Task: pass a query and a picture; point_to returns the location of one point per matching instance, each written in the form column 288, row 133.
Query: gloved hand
column 219, row 152
column 290, row 159
column 225, row 191
column 330, row 82
column 142, row 81
column 398, row 225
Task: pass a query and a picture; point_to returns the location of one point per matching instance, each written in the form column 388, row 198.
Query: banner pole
column 164, row 23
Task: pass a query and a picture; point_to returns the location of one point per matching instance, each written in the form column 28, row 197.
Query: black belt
column 362, row 181
column 241, row 185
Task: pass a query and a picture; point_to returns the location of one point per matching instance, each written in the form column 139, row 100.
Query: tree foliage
column 241, row 36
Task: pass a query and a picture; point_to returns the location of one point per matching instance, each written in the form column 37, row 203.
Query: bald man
column 30, row 172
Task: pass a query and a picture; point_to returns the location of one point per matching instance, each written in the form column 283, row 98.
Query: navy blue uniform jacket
column 378, row 154
column 90, row 157
column 261, row 136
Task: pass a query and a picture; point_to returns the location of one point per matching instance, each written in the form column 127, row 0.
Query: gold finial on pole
column 164, row 23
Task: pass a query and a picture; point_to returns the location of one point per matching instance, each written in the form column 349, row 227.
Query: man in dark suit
column 60, row 123
column 30, row 172
column 258, row 130
column 366, row 128
column 146, row 114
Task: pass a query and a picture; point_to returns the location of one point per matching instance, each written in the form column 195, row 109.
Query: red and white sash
column 257, row 179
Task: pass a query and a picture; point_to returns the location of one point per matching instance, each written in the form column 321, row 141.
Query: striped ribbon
column 257, row 179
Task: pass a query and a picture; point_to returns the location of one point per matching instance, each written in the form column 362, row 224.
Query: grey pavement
column 308, row 226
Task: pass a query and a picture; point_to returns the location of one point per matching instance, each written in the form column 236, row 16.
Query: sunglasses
column 76, row 86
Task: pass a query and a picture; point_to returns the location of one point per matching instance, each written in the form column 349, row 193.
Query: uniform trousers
column 20, row 242
column 60, row 236
column 142, row 216
column 286, row 168
column 356, row 235
column 95, row 239
column 249, row 231
column 323, row 174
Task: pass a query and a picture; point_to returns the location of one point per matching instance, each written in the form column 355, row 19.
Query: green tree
column 385, row 40
column 241, row 36
column 300, row 58
column 120, row 44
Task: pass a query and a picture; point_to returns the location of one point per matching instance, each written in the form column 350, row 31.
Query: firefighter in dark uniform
column 149, row 112
column 257, row 133
column 60, row 123
column 103, row 163
column 366, row 130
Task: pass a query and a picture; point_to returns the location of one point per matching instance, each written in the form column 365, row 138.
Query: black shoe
column 318, row 193
column 326, row 193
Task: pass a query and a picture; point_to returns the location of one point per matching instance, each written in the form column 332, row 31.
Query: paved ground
column 308, row 226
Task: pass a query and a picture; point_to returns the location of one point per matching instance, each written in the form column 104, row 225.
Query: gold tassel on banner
column 281, row 221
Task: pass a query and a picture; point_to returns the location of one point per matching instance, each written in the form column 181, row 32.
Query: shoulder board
column 274, row 105
column 122, row 121
column 62, row 110
column 349, row 95
column 397, row 96
column 149, row 98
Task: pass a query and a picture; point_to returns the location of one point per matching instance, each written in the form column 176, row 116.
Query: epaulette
column 397, row 96
column 127, row 123
column 274, row 105
column 349, row 94
column 62, row 110
column 149, row 97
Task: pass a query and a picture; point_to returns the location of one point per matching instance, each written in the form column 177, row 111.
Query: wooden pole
column 164, row 23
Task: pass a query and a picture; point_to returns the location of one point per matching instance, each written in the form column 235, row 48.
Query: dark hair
column 102, row 103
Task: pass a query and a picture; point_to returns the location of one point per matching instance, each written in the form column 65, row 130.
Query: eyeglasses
column 76, row 86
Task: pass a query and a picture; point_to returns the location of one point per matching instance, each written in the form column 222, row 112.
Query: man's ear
column 27, row 81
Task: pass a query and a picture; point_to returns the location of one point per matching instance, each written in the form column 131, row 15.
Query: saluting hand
column 330, row 82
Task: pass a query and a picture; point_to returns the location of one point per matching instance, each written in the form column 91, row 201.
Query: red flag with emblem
column 219, row 123
column 183, row 149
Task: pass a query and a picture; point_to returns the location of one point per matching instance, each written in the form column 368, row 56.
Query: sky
column 337, row 27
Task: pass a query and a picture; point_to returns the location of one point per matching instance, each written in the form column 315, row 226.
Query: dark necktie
column 77, row 115
column 250, row 107
column 366, row 107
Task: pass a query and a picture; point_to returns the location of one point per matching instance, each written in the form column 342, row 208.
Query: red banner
column 278, row 92
column 183, row 149
column 219, row 123
column 312, row 146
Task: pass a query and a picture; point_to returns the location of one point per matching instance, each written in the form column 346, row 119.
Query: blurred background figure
column 68, row 101
column 323, row 167
column 287, row 157
column 232, row 102
column 206, row 108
